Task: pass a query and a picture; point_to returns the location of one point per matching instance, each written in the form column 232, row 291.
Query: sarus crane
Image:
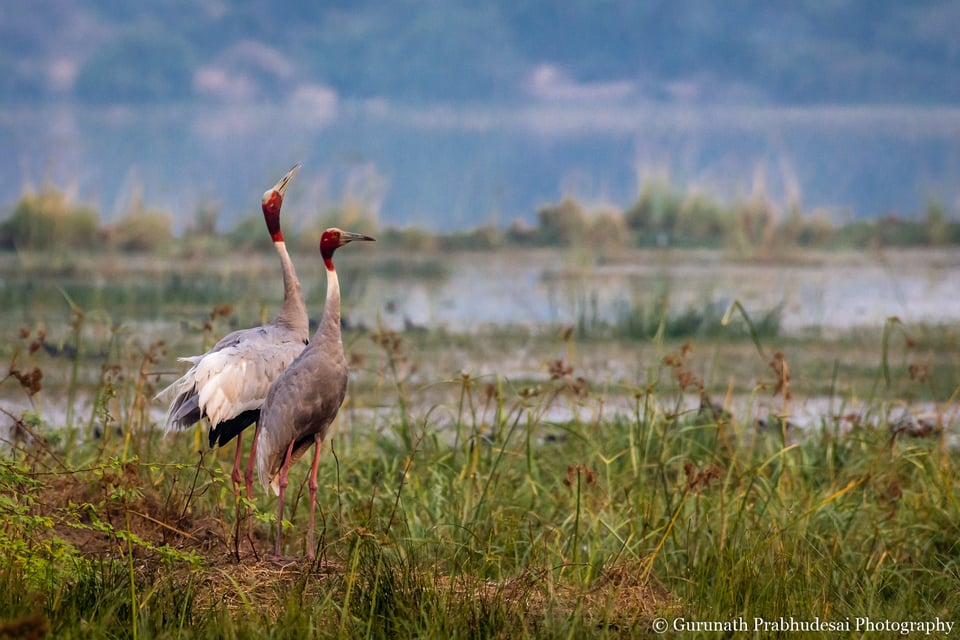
column 304, row 400
column 228, row 383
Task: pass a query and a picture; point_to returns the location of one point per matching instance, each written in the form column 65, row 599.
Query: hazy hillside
column 452, row 113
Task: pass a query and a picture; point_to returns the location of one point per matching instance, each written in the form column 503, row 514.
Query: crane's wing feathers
column 187, row 410
column 230, row 429
column 231, row 379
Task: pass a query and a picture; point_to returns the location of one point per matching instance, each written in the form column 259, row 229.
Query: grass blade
column 754, row 335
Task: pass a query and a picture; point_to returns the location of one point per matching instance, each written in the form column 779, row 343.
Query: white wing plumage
column 231, row 378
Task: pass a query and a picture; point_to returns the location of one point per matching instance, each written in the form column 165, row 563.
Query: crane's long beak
column 281, row 186
column 346, row 236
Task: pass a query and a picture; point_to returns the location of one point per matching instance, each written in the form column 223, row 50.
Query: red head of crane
column 228, row 383
column 303, row 401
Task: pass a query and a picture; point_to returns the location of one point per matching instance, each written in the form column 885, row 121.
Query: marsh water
column 833, row 292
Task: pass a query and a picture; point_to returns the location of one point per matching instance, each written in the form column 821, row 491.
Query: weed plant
column 483, row 515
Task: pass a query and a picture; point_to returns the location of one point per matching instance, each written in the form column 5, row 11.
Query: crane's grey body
column 320, row 374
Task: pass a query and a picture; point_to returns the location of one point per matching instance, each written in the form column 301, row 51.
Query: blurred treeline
column 662, row 215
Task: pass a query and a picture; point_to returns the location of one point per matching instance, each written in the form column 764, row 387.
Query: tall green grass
column 479, row 515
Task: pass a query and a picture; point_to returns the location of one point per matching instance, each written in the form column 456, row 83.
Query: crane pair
column 273, row 376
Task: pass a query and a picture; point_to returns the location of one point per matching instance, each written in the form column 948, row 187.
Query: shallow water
column 756, row 416
column 832, row 292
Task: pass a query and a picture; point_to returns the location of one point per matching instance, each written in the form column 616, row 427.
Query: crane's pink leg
column 283, row 489
column 235, row 475
column 248, row 478
column 248, row 474
column 312, row 485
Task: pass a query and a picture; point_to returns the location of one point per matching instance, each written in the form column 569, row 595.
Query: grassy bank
column 506, row 506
